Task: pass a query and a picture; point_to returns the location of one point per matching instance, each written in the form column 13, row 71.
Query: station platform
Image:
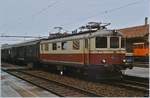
column 13, row 68
column 7, row 66
column 15, row 87
column 138, row 71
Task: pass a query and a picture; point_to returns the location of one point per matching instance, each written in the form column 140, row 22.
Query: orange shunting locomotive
column 140, row 52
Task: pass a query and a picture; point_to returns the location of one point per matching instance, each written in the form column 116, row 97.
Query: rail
column 55, row 87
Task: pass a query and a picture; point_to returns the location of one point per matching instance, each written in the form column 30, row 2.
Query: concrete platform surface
column 9, row 68
column 138, row 71
column 15, row 87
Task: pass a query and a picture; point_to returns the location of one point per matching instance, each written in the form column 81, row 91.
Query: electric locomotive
column 97, row 53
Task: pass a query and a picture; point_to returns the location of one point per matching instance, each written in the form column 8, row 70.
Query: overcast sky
column 38, row 17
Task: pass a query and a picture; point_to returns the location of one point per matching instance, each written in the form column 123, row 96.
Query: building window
column 64, row 45
column 46, row 46
column 54, row 46
column 86, row 43
column 101, row 42
column 76, row 45
column 114, row 42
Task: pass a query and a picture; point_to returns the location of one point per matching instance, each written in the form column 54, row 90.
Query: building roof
column 136, row 31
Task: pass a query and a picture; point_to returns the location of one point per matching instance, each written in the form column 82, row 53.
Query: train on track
column 95, row 53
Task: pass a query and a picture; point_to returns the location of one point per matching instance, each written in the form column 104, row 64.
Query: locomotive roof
column 26, row 43
column 74, row 34
column 103, row 32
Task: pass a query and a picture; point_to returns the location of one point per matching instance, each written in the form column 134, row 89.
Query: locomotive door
column 86, row 52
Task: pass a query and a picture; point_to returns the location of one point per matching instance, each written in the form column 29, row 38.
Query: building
column 135, row 36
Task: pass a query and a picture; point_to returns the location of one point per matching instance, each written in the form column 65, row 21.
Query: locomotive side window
column 122, row 43
column 114, row 42
column 64, row 45
column 76, row 45
column 54, row 46
column 86, row 43
column 46, row 46
column 101, row 42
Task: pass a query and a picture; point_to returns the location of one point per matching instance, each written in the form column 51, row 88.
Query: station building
column 137, row 39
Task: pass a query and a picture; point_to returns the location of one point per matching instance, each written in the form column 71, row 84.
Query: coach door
column 86, row 51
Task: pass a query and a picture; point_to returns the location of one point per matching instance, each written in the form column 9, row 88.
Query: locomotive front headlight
column 103, row 61
column 124, row 60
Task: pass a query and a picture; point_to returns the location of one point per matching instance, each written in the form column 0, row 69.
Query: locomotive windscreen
column 114, row 42
column 101, row 42
column 122, row 42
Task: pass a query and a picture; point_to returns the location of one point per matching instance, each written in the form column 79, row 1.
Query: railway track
column 140, row 81
column 76, row 87
column 137, row 79
column 140, row 84
column 132, row 85
column 55, row 87
column 137, row 82
column 132, row 82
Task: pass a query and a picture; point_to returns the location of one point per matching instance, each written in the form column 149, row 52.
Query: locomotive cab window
column 101, row 42
column 64, row 45
column 114, row 42
column 54, row 46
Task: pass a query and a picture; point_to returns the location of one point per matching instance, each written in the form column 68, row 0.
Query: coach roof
column 31, row 42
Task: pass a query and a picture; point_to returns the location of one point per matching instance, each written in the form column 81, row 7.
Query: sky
column 39, row 17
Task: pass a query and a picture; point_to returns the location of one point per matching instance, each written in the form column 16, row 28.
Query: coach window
column 54, row 46
column 114, row 42
column 76, row 45
column 41, row 47
column 64, row 45
column 101, row 42
column 9, row 51
column 46, row 47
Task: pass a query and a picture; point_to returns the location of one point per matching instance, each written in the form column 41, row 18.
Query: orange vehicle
column 140, row 52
